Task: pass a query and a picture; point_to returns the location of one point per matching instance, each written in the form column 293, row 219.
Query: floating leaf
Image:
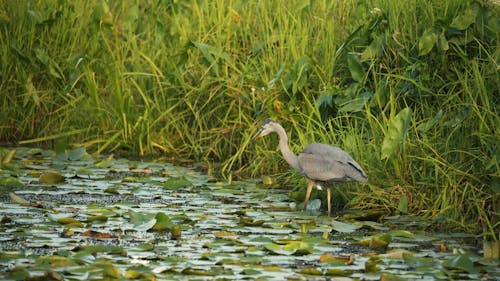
column 11, row 182
column 76, row 153
column 311, row 271
column 95, row 218
column 176, row 183
column 461, row 262
column 335, row 260
column 96, row 234
column 51, row 178
column 420, row 262
column 111, row 271
column 56, row 261
column 278, row 249
column 71, row 222
column 395, row 253
column 385, row 276
column 345, row 227
column 371, row 266
column 299, row 247
column 338, row 272
column 163, row 222
column 376, row 241
column 142, row 222
column 396, row 133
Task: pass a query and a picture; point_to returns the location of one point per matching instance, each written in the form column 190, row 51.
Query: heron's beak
column 257, row 135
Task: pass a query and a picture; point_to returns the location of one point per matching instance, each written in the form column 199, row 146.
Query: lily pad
column 11, row 182
column 51, row 178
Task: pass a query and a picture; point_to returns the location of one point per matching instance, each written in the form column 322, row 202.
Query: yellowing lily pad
column 51, row 178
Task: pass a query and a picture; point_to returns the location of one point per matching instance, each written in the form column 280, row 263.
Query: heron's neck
column 290, row 158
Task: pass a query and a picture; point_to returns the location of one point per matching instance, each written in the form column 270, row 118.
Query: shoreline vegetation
column 411, row 90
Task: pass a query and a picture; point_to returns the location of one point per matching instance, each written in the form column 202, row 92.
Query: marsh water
column 70, row 216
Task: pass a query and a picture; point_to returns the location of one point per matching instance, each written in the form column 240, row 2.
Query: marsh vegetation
column 411, row 90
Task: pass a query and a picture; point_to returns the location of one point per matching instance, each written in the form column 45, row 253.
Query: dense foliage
column 410, row 89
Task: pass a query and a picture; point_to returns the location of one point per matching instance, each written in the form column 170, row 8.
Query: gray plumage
column 321, row 164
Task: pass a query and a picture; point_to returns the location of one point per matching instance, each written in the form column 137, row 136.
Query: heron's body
column 321, row 164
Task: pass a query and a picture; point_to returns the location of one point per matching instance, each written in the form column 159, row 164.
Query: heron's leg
column 328, row 197
column 310, row 185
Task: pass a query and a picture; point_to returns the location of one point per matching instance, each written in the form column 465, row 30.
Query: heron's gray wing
column 328, row 163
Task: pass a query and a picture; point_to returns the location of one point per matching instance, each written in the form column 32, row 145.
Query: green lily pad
column 176, row 183
column 345, row 227
column 51, row 178
column 11, row 182
column 461, row 262
column 163, row 222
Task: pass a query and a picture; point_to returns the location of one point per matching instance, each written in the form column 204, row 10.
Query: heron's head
column 267, row 127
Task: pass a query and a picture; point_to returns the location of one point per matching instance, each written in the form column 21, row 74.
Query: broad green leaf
column 208, row 49
column 297, row 77
column 299, row 247
column 413, row 261
column 427, row 42
column 443, row 42
column 11, row 182
column 163, row 222
column 424, row 127
column 375, row 49
column 210, row 53
column 460, row 262
column 464, row 19
column 396, row 133
column 176, row 183
column 276, row 77
column 42, row 56
column 403, row 204
column 278, row 249
column 51, row 178
column 142, row 221
column 356, row 68
column 356, row 104
column 344, row 227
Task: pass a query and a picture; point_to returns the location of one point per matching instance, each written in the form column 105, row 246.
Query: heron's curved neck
column 290, row 158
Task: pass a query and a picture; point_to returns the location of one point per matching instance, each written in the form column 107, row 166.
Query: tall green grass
column 409, row 89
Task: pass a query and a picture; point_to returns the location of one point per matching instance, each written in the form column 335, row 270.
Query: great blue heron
column 322, row 164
